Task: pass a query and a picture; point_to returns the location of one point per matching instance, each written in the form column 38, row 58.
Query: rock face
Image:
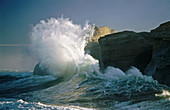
column 93, row 48
column 126, row 49
column 149, row 52
column 159, row 67
column 93, row 45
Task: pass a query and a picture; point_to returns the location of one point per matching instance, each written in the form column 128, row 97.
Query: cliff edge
column 159, row 67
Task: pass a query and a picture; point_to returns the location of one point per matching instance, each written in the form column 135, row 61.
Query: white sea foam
column 165, row 94
column 21, row 104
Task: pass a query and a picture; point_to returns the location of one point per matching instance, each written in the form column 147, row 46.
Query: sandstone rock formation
column 159, row 67
column 126, row 49
column 101, row 32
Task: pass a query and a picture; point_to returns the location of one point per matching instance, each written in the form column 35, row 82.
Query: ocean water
column 28, row 91
column 74, row 81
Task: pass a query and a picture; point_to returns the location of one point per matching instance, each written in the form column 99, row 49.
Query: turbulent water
column 74, row 80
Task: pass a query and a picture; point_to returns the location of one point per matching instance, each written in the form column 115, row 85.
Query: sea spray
column 58, row 44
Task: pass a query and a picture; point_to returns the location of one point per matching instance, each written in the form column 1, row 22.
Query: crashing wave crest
column 58, row 44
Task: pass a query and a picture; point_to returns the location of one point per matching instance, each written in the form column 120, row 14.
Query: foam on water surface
column 20, row 104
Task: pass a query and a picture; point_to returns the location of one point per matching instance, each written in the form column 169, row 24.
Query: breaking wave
column 58, row 44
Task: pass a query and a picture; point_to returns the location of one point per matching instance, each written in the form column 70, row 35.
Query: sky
column 17, row 17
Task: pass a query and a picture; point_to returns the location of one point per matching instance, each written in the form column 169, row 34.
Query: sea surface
column 74, row 80
column 23, row 90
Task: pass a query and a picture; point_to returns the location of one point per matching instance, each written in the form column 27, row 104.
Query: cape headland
column 148, row 51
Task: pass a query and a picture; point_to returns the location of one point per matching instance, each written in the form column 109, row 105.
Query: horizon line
column 13, row 45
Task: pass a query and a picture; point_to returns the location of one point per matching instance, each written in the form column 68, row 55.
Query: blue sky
column 18, row 16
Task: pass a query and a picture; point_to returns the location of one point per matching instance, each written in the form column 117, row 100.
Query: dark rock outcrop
column 93, row 48
column 159, row 67
column 126, row 49
column 38, row 70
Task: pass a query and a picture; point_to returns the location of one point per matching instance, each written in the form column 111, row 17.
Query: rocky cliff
column 126, row 49
column 159, row 67
column 149, row 52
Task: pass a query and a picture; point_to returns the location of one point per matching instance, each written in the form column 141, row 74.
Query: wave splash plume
column 58, row 44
